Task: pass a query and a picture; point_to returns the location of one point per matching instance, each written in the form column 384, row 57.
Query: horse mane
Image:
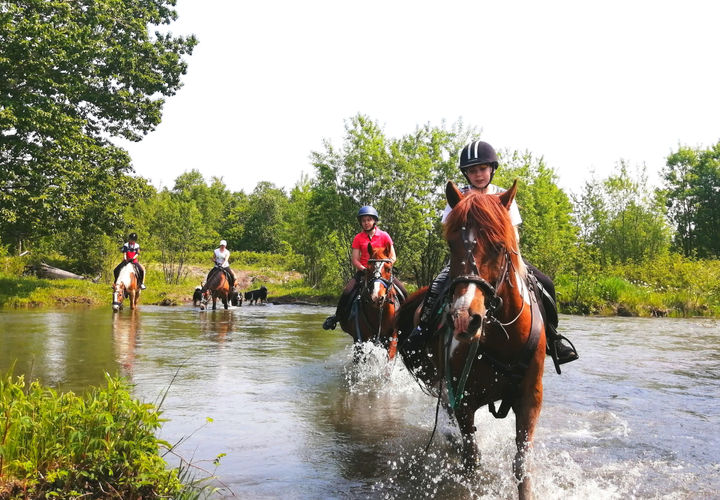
column 490, row 218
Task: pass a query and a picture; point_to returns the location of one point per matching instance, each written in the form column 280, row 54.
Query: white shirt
column 515, row 218
column 222, row 258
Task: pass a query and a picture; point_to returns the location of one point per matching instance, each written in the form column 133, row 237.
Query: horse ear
column 508, row 196
column 453, row 194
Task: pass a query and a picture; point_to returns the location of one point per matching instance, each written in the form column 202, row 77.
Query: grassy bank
column 285, row 285
column 665, row 286
column 668, row 286
column 100, row 445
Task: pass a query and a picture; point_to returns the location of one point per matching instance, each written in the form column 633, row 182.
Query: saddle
column 217, row 269
column 549, row 312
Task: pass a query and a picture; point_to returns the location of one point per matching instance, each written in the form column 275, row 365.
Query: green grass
column 669, row 286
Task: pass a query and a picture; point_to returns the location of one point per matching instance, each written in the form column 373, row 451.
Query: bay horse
column 489, row 345
column 372, row 311
column 216, row 285
column 126, row 285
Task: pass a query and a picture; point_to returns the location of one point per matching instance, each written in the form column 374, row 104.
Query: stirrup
column 562, row 354
column 330, row 323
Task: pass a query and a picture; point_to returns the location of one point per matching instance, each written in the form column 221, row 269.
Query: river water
column 638, row 416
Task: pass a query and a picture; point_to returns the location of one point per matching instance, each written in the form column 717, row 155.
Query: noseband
column 377, row 276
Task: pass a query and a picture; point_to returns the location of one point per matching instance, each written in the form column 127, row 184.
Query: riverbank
column 677, row 296
column 23, row 291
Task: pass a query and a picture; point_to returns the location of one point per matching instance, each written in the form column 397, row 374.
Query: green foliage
column 209, row 199
column 547, row 231
column 402, row 178
column 692, row 190
column 669, row 284
column 262, row 218
column 622, row 219
column 64, row 445
column 74, row 74
column 177, row 227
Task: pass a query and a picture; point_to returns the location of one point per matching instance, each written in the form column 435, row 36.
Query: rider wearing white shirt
column 221, row 258
column 478, row 162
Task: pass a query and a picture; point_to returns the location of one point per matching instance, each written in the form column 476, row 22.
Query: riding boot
column 560, row 352
column 140, row 273
column 348, row 292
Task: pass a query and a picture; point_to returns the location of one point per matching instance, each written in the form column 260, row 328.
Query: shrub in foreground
column 102, row 445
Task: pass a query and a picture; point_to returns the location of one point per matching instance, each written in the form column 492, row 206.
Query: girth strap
column 516, row 371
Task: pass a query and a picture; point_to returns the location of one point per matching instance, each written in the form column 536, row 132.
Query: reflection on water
column 636, row 416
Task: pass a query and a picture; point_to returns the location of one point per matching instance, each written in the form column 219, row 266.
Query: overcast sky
column 581, row 84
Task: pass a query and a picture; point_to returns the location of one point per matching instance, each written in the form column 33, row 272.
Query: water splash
column 369, row 371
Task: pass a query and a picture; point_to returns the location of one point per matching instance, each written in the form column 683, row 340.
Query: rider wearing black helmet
column 368, row 217
column 478, row 162
column 131, row 250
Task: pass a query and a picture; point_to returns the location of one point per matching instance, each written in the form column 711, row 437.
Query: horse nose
column 467, row 326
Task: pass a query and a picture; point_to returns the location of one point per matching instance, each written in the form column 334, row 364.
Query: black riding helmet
column 478, row 153
column 132, row 237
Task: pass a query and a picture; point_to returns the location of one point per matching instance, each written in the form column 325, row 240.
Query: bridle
column 369, row 279
column 118, row 294
column 377, row 276
column 493, row 301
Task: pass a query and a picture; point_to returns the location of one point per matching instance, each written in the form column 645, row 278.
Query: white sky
column 582, row 84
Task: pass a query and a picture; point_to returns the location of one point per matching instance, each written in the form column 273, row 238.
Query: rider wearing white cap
column 221, row 258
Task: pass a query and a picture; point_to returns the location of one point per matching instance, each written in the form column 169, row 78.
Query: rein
column 389, row 295
column 493, row 302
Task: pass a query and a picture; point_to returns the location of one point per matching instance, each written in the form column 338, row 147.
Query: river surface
column 638, row 416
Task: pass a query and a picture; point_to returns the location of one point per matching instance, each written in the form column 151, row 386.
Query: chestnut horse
column 217, row 285
column 490, row 343
column 372, row 312
column 126, row 286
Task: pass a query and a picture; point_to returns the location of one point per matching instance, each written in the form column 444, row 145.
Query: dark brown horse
column 216, row 286
column 372, row 312
column 126, row 285
column 490, row 343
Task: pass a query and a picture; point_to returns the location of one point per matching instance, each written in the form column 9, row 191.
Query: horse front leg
column 132, row 299
column 214, row 301
column 225, row 301
column 527, row 412
column 470, row 454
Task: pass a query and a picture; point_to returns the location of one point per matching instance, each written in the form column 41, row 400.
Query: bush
column 63, row 445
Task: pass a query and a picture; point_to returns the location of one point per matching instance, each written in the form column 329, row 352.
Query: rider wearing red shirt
column 131, row 249
column 367, row 217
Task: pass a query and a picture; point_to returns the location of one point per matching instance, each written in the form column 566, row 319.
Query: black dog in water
column 254, row 295
column 197, row 295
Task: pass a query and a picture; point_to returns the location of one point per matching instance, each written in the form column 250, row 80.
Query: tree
column 212, row 201
column 692, row 191
column 547, row 232
column 403, row 178
column 263, row 219
column 622, row 218
column 177, row 227
column 76, row 73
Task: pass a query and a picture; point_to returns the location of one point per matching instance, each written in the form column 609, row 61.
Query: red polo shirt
column 379, row 240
